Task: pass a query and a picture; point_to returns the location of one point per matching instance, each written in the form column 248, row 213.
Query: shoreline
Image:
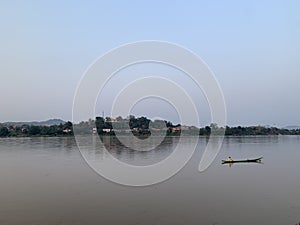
column 166, row 136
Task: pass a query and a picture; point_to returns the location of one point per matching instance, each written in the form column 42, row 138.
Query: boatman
column 229, row 159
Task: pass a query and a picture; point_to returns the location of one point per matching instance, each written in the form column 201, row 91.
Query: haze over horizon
column 252, row 48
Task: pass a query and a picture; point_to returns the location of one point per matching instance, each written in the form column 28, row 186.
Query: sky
column 251, row 46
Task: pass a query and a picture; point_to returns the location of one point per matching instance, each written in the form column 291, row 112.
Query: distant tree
column 44, row 130
column 52, row 130
column 119, row 118
column 214, row 126
column 131, row 117
column 68, row 125
column 169, row 124
column 143, row 122
column 100, row 124
column 60, row 129
column 228, row 131
column 34, row 130
column 202, row 131
column 133, row 122
column 4, row 132
column 18, row 130
column 158, row 124
column 207, row 130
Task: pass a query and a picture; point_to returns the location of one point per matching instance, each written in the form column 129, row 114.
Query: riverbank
column 141, row 127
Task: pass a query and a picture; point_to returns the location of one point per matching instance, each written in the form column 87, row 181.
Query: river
column 46, row 181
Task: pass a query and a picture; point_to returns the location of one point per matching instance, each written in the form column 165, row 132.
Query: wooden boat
column 257, row 160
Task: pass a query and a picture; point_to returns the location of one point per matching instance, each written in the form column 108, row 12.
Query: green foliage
column 34, row 130
column 205, row 131
column 139, row 126
column 100, row 122
column 258, row 130
column 4, row 132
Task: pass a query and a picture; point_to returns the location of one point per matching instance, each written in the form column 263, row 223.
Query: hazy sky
column 253, row 48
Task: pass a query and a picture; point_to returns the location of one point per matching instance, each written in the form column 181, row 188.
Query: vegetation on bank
column 26, row 130
column 140, row 126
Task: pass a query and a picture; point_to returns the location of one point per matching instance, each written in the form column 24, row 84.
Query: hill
column 49, row 122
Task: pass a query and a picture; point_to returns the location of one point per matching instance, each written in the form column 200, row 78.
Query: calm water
column 45, row 181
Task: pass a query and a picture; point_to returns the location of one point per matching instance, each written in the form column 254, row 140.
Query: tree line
column 140, row 126
column 65, row 129
column 251, row 131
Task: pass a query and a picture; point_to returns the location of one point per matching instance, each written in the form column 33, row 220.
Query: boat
column 257, row 160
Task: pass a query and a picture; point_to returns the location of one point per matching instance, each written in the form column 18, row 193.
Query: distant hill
column 292, row 127
column 36, row 123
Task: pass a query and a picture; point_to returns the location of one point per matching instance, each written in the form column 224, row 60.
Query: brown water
column 45, row 181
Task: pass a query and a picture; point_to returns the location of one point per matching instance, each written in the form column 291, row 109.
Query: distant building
column 106, row 130
column 67, row 130
column 176, row 129
column 135, row 129
column 24, row 129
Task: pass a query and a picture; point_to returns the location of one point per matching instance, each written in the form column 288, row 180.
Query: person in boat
column 229, row 159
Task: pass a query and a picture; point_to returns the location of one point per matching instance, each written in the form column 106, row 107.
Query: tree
column 4, row 132
column 119, row 118
column 158, row 124
column 214, row 126
column 169, row 124
column 207, row 130
column 100, row 124
column 34, row 130
column 68, row 125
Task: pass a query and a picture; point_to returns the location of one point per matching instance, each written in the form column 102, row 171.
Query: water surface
column 46, row 181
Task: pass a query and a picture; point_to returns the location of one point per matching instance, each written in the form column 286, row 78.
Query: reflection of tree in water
column 142, row 158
